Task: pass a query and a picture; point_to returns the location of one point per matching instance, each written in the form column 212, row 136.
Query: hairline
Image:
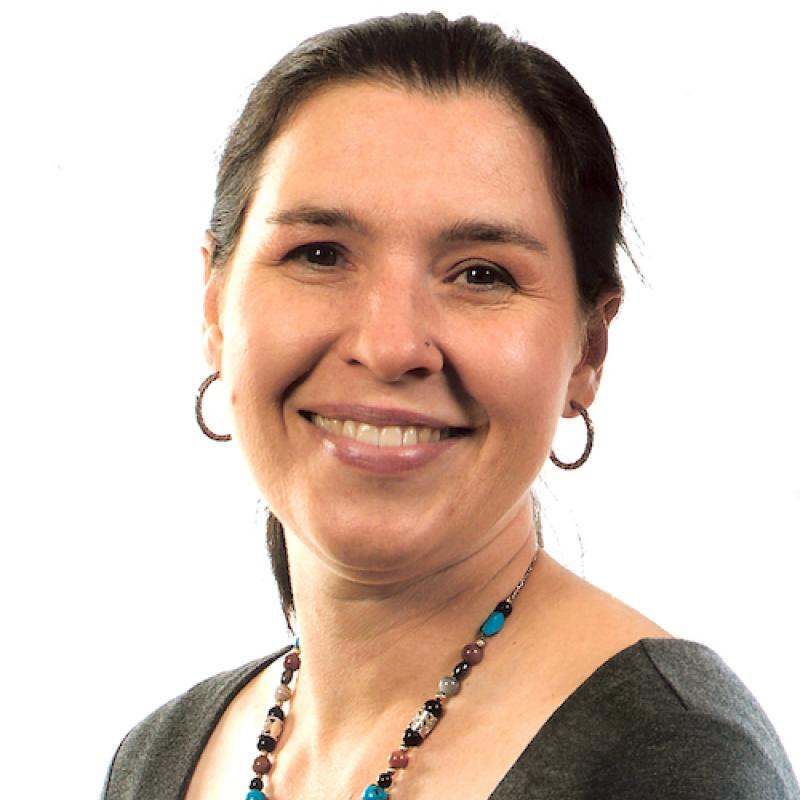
column 389, row 79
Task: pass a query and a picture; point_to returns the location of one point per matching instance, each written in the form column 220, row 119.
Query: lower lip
column 382, row 460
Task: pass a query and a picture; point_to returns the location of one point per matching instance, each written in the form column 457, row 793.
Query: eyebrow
column 465, row 230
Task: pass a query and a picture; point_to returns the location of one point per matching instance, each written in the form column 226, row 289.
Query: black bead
column 504, row 607
column 286, row 678
column 276, row 712
column 460, row 670
column 412, row 738
column 266, row 744
column 257, row 784
column 385, row 780
column 435, row 708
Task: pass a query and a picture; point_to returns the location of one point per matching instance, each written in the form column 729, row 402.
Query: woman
column 410, row 276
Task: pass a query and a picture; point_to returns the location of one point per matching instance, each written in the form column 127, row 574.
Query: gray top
column 665, row 719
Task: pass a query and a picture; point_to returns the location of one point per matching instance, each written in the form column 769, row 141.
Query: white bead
column 423, row 723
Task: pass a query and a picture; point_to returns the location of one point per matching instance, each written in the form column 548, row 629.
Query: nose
column 393, row 327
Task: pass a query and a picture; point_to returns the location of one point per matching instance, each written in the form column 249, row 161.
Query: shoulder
column 664, row 718
column 705, row 686
column 157, row 755
column 712, row 740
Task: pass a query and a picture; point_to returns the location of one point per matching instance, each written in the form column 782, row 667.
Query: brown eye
column 480, row 275
column 318, row 253
column 487, row 276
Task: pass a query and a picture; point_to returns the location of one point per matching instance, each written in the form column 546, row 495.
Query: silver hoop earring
column 589, row 440
column 198, row 411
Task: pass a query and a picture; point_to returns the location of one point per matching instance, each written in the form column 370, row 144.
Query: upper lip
column 375, row 415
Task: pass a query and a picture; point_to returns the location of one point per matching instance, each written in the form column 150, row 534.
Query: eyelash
column 298, row 252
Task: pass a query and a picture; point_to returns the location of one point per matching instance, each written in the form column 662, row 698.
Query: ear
column 212, row 333
column 585, row 380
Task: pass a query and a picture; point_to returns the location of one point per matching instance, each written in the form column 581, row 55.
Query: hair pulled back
column 432, row 54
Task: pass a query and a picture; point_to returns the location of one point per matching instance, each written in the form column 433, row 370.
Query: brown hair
column 432, row 54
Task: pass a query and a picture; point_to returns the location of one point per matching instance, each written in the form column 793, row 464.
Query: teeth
column 348, row 428
column 409, row 435
column 368, row 434
column 331, row 425
column 389, row 436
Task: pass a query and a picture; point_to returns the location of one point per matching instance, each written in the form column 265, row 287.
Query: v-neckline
column 244, row 675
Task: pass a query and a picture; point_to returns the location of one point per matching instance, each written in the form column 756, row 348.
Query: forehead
column 407, row 154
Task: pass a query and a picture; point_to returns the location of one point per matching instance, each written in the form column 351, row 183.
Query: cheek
column 521, row 377
column 270, row 342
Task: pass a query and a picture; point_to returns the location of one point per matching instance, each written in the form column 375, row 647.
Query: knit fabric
column 664, row 719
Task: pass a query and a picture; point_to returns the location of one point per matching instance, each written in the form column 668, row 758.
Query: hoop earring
column 198, row 411
column 589, row 440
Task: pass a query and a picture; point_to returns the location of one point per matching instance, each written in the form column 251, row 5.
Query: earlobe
column 212, row 346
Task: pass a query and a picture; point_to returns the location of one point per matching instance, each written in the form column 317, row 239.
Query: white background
column 133, row 562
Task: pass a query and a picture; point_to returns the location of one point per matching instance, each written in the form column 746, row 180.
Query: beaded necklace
column 418, row 729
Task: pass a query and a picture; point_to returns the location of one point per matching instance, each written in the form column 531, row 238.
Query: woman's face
column 403, row 262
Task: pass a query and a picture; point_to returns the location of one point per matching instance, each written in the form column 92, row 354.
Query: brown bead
column 262, row 765
column 292, row 662
column 472, row 654
column 398, row 759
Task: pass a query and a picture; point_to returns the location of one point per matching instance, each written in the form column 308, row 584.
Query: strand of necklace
column 420, row 726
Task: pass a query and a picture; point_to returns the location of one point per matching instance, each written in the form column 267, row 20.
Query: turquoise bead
column 254, row 794
column 373, row 792
column 494, row 623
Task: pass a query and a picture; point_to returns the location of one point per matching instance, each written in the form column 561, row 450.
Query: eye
column 487, row 277
column 319, row 254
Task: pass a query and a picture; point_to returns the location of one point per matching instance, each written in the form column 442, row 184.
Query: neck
column 378, row 651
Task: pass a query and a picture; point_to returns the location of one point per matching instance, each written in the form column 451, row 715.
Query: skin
column 397, row 320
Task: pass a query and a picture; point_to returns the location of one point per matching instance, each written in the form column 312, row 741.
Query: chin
column 373, row 552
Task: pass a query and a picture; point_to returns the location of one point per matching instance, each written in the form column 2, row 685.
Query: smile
column 382, row 436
